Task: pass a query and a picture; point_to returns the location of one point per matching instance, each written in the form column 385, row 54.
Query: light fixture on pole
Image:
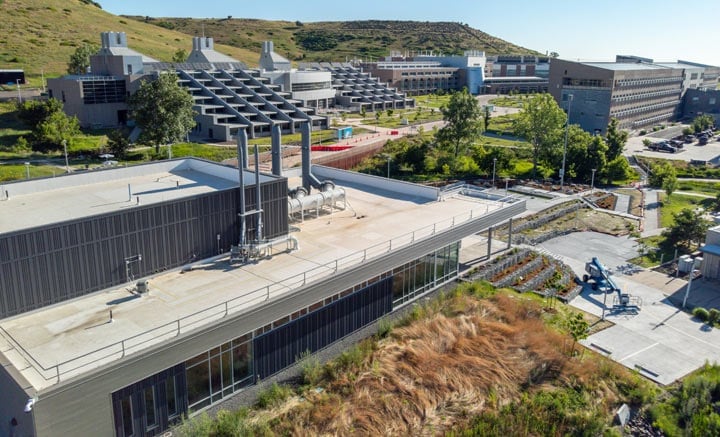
column 592, row 181
column 493, row 179
column 17, row 81
column 67, row 164
column 27, row 170
column 567, row 126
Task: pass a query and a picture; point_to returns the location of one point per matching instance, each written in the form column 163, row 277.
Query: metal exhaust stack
column 308, row 179
column 258, row 200
column 276, row 150
column 242, row 164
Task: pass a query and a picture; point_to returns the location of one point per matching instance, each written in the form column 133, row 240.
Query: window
column 127, row 419
column 150, row 410
column 171, row 396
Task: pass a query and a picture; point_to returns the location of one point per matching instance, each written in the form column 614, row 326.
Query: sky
column 663, row 30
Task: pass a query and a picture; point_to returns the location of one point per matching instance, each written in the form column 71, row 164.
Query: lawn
column 11, row 172
column 432, row 100
column 652, row 251
column 677, row 203
column 708, row 188
column 10, row 127
column 508, row 102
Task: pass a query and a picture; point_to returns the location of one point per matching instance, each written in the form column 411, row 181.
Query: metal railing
column 126, row 346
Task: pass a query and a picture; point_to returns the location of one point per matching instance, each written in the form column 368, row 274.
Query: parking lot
column 693, row 151
column 661, row 342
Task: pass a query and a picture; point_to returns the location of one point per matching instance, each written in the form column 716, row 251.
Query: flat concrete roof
column 624, row 66
column 50, row 200
column 71, row 331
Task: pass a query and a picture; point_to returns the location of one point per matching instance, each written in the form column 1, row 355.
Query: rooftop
column 624, row 66
column 39, row 202
column 73, row 337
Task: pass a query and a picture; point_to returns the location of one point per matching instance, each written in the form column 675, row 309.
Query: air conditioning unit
column 143, row 286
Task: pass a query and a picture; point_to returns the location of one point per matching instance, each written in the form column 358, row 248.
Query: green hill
column 338, row 41
column 40, row 35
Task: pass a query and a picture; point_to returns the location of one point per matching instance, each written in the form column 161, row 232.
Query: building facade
column 636, row 91
column 174, row 331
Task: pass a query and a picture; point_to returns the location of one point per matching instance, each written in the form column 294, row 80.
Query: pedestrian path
column 651, row 223
column 622, row 203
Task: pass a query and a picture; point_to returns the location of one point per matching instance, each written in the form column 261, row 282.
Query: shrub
column 273, row 395
column 713, row 316
column 701, row 313
column 311, row 369
column 385, row 327
column 643, row 132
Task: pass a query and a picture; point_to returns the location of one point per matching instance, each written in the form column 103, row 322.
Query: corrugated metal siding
column 283, row 346
column 46, row 265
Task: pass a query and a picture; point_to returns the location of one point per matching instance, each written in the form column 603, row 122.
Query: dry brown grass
column 466, row 356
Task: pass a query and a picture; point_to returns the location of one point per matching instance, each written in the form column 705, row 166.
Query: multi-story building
column 636, row 91
column 135, row 296
column 638, row 94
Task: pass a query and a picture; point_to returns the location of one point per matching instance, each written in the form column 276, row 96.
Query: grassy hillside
column 336, row 41
column 38, row 35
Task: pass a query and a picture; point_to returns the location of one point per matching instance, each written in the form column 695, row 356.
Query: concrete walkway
column 652, row 210
column 622, row 204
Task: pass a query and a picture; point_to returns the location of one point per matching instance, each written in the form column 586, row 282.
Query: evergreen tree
column 616, row 139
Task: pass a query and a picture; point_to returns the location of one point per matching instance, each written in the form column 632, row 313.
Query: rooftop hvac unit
column 143, row 286
column 685, row 263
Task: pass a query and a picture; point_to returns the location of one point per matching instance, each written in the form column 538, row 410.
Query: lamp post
column 17, row 81
column 67, row 164
column 592, row 181
column 687, row 290
column 493, row 179
column 567, row 125
column 27, row 170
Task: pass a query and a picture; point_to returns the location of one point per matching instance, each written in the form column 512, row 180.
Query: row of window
column 311, row 86
column 636, row 82
column 644, row 108
column 428, row 73
column 656, row 118
column 631, row 97
column 587, row 83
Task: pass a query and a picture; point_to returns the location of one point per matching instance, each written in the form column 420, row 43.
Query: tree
column 554, row 55
column 49, row 124
column 702, row 122
column 118, row 144
column 688, row 230
column 486, row 117
column 615, row 139
column 577, row 328
column 389, row 113
column 363, row 112
column 670, row 185
column 51, row 132
column 34, row 112
column 660, row 172
column 163, row 110
column 462, row 115
column 180, row 56
column 617, row 170
column 540, row 123
column 80, row 59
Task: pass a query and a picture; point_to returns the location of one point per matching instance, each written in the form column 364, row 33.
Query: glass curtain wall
column 419, row 276
column 219, row 372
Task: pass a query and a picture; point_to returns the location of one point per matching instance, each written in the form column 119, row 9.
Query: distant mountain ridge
column 40, row 35
column 341, row 40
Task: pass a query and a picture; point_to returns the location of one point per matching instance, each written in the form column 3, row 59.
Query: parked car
column 702, row 140
column 677, row 144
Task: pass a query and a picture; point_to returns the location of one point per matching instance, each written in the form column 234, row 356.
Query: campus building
column 133, row 296
column 637, row 91
column 522, row 74
column 228, row 95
